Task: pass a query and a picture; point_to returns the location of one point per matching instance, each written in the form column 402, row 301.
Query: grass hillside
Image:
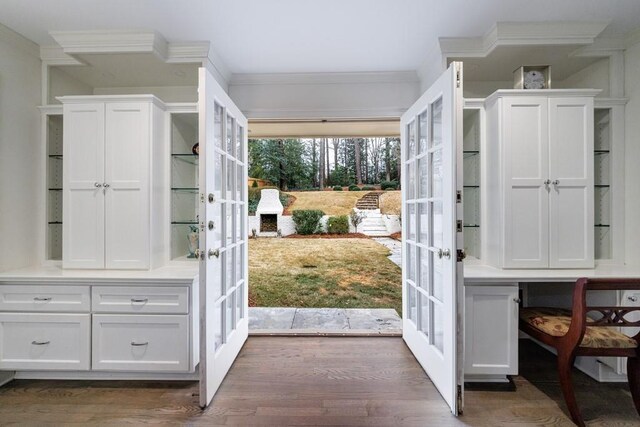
column 340, row 202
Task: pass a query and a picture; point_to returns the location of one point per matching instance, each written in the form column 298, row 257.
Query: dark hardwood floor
column 283, row 381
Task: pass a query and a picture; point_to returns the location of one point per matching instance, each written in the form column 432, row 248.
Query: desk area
column 492, row 297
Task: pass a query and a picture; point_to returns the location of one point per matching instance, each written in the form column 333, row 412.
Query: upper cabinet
column 540, row 171
column 113, row 192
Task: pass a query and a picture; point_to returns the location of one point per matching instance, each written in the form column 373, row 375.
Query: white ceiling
column 272, row 36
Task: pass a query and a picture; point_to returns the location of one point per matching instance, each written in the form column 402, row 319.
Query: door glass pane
column 217, row 184
column 217, row 325
column 239, row 143
column 231, row 171
column 411, row 263
column 411, row 222
column 423, row 178
column 411, row 303
column 423, row 303
column 230, row 261
column 217, row 117
column 240, row 183
column 423, row 223
column 230, row 319
column 411, row 180
column 229, row 224
column 411, row 141
column 422, row 145
column 436, row 173
column 436, row 123
column 240, row 261
column 438, row 325
column 239, row 223
column 223, row 273
column 423, row 279
column 438, row 285
column 222, row 224
column 436, row 224
column 234, row 228
column 239, row 303
column 231, row 143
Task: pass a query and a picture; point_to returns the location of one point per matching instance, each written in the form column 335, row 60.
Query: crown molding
column 522, row 34
column 54, row 55
column 311, row 113
column 324, row 78
column 111, row 41
column 9, row 36
column 187, row 52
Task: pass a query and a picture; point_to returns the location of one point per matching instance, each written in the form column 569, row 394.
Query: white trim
column 301, row 113
column 111, row 41
column 542, row 92
column 82, row 99
column 609, row 102
column 187, row 52
column 51, row 109
column 181, row 107
column 324, row 78
column 97, row 375
column 54, row 55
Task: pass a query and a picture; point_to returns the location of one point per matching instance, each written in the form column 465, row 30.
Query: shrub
column 338, row 224
column 389, row 185
column 253, row 200
column 307, row 221
column 255, row 184
column 354, row 187
column 368, row 188
column 337, row 188
column 356, row 218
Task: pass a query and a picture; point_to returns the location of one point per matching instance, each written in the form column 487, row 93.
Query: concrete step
column 366, row 230
column 376, row 233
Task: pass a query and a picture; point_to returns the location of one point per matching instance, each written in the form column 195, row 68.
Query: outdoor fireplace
column 268, row 223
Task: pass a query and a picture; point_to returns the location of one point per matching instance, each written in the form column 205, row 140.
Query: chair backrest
column 610, row 315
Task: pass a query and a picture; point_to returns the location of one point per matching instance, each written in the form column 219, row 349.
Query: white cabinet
column 491, row 330
column 540, row 179
column 113, row 157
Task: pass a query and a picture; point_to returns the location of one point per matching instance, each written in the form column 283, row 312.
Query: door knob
column 547, row 181
column 213, row 253
column 556, row 182
column 106, row 185
column 446, row 253
column 632, row 298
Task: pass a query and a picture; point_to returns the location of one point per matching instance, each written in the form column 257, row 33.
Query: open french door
column 223, row 252
column 431, row 141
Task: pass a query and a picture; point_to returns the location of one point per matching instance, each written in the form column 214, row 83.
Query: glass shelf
column 470, row 186
column 184, row 222
column 601, row 152
column 55, row 156
column 471, row 226
column 54, row 222
column 55, row 189
column 602, row 225
column 189, row 189
column 602, row 185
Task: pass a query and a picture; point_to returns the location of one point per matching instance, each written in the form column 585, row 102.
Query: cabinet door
column 127, row 177
column 526, row 166
column 491, row 330
column 571, row 227
column 83, row 179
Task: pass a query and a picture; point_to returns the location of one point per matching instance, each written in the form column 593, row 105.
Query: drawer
column 140, row 343
column 49, row 298
column 140, row 299
column 44, row 341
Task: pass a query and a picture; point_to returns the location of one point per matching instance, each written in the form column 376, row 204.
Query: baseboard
column 495, row 379
column 6, row 377
column 98, row 376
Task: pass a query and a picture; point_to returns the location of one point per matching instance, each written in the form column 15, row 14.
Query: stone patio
column 394, row 246
column 324, row 321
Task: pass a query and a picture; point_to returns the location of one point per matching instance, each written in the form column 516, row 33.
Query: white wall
column 595, row 76
column 63, row 84
column 325, row 95
column 19, row 150
column 632, row 154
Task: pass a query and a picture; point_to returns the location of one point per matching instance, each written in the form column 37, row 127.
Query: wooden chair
column 573, row 333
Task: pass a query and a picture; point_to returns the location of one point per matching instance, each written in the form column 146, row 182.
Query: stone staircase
column 373, row 224
column 369, row 201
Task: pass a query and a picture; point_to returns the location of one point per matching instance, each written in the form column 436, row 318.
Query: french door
column 431, row 140
column 223, row 248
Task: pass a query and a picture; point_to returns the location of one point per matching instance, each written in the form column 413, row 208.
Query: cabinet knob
column 556, row 182
column 97, row 185
column 632, row 298
column 517, row 300
column 106, row 185
column 547, row 181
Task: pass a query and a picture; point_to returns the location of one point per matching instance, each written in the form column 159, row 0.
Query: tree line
column 310, row 163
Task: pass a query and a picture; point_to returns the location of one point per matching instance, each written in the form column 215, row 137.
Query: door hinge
column 201, row 197
column 459, row 226
column 459, row 400
column 458, row 79
column 458, row 196
column 460, row 255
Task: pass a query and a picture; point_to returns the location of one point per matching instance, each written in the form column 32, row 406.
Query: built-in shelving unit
column 184, row 181
column 602, row 182
column 471, row 181
column 54, row 187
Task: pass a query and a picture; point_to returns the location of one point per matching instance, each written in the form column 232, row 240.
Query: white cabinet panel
column 140, row 343
column 44, row 341
column 140, row 299
column 83, row 177
column 44, row 298
column 491, row 330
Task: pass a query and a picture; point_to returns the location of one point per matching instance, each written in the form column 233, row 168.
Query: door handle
column 139, row 344
column 212, row 253
column 446, row 253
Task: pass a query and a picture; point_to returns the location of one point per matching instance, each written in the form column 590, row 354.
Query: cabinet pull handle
column 139, row 344
column 142, row 300
column 42, row 298
column 40, row 342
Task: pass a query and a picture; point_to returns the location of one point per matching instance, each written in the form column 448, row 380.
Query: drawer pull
column 140, row 300
column 42, row 298
column 139, row 344
column 40, row 342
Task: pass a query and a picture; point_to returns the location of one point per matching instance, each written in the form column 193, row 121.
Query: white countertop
column 484, row 274
column 175, row 273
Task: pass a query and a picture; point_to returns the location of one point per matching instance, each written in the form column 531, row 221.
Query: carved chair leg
column 565, row 364
column 633, row 375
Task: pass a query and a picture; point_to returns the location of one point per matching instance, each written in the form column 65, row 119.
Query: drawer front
column 140, row 299
column 140, row 343
column 50, row 298
column 44, row 341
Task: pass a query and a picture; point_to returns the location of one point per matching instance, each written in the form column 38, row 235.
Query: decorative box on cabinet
column 540, row 210
column 113, row 193
column 491, row 332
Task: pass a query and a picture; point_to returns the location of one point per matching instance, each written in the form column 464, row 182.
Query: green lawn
column 342, row 273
